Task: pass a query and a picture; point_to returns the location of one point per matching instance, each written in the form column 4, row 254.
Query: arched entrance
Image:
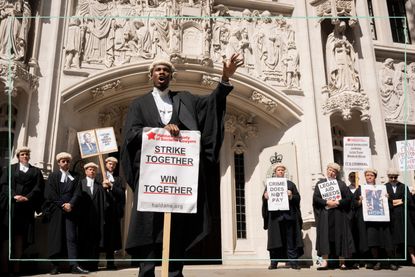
column 105, row 97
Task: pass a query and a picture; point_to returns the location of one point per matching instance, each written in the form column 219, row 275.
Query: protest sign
column 330, row 190
column 375, row 203
column 277, row 194
column 106, row 140
column 356, row 156
column 405, row 151
column 87, row 143
column 169, row 171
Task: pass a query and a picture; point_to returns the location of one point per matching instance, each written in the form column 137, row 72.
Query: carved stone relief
column 241, row 128
column 14, row 29
column 392, row 90
column 335, row 8
column 343, row 80
column 111, row 33
column 261, row 99
column 15, row 76
column 100, row 91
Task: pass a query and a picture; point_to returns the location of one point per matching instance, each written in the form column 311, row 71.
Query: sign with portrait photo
column 277, row 194
column 375, row 203
column 169, row 171
column 88, row 143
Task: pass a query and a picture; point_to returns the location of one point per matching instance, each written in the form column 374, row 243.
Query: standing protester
column 92, row 217
column 174, row 111
column 334, row 236
column 115, row 196
column 60, row 210
column 284, row 227
column 354, row 262
column 399, row 194
column 4, row 225
column 27, row 187
column 374, row 237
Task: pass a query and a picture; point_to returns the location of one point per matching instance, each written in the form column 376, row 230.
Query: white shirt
column 90, row 184
column 164, row 104
column 110, row 177
column 65, row 176
column 23, row 167
column 394, row 187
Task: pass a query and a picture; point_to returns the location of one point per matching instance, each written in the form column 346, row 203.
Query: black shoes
column 54, row 271
column 377, row 266
column 393, row 267
column 78, row 270
column 273, row 265
column 295, row 266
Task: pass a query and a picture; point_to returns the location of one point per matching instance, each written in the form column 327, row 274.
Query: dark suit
column 62, row 228
column 92, row 220
column 190, row 112
column 30, row 185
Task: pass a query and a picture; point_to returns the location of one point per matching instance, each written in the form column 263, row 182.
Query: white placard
column 406, row 150
column 330, row 190
column 357, row 155
column 375, row 203
column 277, row 194
column 107, row 142
column 169, row 171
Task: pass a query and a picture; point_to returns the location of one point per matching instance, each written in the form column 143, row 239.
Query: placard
column 107, row 142
column 375, row 203
column 169, row 171
column 406, row 150
column 277, row 194
column 330, row 190
column 87, row 143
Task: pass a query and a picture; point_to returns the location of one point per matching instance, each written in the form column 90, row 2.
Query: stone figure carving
column 411, row 91
column 341, row 61
column 270, row 43
column 291, row 61
column 14, row 28
column 73, row 46
column 99, row 36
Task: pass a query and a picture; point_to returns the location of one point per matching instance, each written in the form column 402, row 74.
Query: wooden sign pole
column 166, row 245
column 101, row 164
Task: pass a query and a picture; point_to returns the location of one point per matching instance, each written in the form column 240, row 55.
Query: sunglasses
column 393, row 177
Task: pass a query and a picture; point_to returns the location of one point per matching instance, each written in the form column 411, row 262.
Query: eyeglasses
column 393, row 177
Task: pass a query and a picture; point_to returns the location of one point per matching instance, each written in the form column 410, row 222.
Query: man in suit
column 174, row 111
column 88, row 147
column 60, row 209
column 92, row 217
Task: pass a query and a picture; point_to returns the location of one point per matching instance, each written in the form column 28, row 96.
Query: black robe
column 203, row 113
column 30, row 185
column 397, row 215
column 56, row 194
column 371, row 234
column 115, row 198
column 343, row 239
column 91, row 220
column 411, row 218
column 272, row 221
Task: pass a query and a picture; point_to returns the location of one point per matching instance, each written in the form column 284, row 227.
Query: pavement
column 253, row 271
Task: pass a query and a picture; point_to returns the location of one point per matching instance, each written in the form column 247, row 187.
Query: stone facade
column 80, row 65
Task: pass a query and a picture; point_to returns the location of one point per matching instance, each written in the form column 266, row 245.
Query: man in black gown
column 174, row 111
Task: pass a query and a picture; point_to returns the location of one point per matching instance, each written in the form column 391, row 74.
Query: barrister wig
column 279, row 165
column 374, row 171
column 91, row 164
column 393, row 172
column 111, row 159
column 22, row 149
column 63, row 155
column 162, row 62
column 334, row 166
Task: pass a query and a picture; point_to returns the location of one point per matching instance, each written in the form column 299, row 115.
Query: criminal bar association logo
column 276, row 158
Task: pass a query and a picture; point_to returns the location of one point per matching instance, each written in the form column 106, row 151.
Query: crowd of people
column 83, row 213
column 343, row 238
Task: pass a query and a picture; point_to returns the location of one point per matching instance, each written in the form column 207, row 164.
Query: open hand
column 230, row 66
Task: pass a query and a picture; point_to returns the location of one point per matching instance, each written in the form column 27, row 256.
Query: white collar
column 23, row 167
column 161, row 93
column 89, row 181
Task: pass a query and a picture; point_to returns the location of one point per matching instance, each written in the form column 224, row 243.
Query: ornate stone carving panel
column 111, row 33
column 242, row 128
column 393, row 86
column 15, row 76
